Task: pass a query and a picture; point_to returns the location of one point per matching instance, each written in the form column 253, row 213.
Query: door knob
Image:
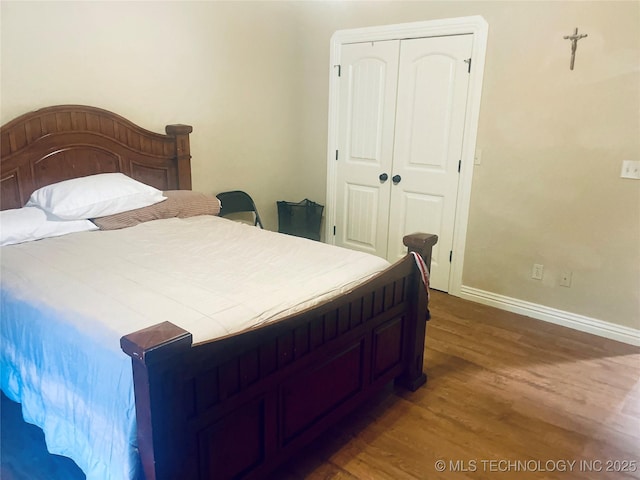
column 396, row 179
column 383, row 177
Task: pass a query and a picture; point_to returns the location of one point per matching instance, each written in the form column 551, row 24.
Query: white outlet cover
column 630, row 169
column 537, row 271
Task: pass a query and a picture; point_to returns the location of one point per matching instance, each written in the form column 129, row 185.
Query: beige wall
column 252, row 78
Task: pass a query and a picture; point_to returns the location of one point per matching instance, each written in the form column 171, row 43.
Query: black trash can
column 301, row 219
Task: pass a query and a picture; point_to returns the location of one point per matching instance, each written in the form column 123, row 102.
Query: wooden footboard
column 239, row 406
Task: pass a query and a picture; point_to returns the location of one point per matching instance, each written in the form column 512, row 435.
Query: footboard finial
column 157, row 341
column 421, row 243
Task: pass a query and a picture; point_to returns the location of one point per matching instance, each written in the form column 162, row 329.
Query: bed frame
column 238, row 406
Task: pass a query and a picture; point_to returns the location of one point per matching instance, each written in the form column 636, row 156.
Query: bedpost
column 183, row 153
column 153, row 353
column 422, row 244
column 414, row 377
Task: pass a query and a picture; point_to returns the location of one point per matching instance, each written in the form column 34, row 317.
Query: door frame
column 478, row 27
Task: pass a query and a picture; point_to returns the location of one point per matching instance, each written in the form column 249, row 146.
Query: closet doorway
column 404, row 103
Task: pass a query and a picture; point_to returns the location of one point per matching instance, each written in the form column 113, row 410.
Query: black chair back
column 237, row 201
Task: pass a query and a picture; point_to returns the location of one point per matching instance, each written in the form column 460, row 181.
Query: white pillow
column 30, row 223
column 94, row 196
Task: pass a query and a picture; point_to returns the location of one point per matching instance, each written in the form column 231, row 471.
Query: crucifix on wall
column 574, row 44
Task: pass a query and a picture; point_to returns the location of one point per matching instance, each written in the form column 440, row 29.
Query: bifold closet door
column 401, row 119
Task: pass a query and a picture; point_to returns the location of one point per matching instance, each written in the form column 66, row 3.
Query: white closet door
column 368, row 85
column 430, row 116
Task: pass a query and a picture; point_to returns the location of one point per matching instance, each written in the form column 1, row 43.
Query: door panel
column 427, row 111
column 430, row 115
column 368, row 85
column 361, row 218
column 420, row 213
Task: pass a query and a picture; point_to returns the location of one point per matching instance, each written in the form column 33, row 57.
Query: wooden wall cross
column 574, row 44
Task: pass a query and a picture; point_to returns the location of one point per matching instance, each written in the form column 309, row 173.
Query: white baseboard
column 552, row 315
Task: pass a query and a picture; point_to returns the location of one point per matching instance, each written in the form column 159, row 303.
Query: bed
column 205, row 405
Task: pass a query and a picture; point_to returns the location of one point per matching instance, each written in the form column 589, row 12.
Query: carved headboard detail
column 68, row 141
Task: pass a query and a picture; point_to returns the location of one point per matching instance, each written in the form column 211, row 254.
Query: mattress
column 67, row 301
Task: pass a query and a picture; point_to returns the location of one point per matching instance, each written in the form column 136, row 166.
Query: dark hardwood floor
column 507, row 397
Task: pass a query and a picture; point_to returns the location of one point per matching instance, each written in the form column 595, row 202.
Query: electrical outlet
column 565, row 278
column 536, row 272
column 630, row 169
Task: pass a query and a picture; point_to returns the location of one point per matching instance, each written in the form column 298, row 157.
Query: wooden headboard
column 68, row 141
